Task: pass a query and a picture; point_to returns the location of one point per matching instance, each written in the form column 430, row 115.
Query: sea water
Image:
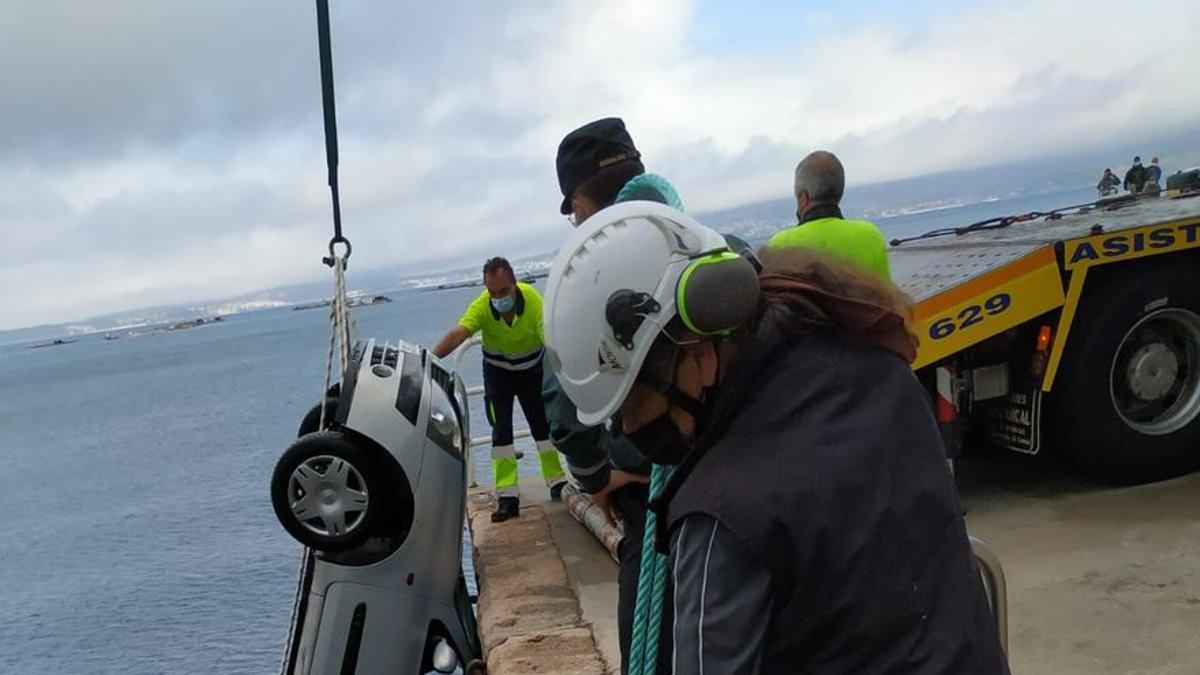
column 137, row 534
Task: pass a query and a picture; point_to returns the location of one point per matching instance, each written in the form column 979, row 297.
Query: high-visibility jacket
column 513, row 347
column 856, row 241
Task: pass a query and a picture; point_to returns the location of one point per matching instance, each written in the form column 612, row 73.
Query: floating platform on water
column 357, row 301
column 529, row 278
column 52, row 343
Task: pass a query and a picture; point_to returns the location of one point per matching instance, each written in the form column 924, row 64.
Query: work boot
column 507, row 507
column 556, row 491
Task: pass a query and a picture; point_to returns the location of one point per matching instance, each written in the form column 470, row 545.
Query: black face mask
column 660, row 441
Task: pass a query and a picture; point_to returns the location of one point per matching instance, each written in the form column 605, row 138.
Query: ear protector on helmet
column 717, row 293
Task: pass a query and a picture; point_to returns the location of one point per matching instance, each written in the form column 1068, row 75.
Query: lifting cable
column 340, row 321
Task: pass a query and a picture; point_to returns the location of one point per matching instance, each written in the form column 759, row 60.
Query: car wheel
column 326, row 491
column 312, row 419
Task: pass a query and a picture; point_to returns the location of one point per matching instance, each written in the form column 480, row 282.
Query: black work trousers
column 500, row 386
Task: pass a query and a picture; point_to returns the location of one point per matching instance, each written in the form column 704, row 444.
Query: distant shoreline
column 752, row 228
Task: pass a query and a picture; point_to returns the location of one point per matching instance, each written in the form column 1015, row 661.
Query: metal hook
column 338, row 239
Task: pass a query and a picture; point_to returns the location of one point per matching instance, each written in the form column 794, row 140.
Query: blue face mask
column 504, row 305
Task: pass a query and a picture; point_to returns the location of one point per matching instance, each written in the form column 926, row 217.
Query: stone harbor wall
column 529, row 616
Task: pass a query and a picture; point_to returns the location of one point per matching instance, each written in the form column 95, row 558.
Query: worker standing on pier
column 811, row 521
column 597, row 166
column 509, row 314
column 819, row 184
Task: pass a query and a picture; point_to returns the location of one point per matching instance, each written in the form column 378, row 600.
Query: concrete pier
column 547, row 589
column 1100, row 579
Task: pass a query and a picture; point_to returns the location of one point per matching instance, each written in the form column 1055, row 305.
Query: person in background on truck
column 812, row 525
column 509, row 314
column 1153, row 188
column 1108, row 184
column 598, row 165
column 1135, row 177
column 1154, row 172
column 819, row 183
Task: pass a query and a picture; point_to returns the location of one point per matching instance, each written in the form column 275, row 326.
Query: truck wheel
column 1126, row 403
column 326, row 492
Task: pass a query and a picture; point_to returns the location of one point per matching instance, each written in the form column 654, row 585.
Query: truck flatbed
column 1021, row 268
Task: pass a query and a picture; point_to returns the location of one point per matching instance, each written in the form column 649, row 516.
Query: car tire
column 312, row 419
column 1126, row 401
column 335, row 483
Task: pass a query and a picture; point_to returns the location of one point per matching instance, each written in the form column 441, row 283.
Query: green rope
column 652, row 584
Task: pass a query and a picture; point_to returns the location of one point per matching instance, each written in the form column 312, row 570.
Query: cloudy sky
column 160, row 152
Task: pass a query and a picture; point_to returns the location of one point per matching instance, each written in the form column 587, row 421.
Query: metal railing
column 994, row 586
column 456, row 358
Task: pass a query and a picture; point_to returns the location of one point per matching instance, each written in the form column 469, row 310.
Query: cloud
column 163, row 152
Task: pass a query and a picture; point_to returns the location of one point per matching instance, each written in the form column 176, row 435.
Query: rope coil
column 341, row 324
column 652, row 586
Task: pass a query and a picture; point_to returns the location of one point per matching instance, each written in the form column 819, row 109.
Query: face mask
column 660, row 441
column 505, row 304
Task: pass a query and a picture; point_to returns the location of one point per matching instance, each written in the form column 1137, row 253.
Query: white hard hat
column 623, row 274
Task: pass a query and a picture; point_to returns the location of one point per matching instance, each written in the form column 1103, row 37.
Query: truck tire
column 1126, row 401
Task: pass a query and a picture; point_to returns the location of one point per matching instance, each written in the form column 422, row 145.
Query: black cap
column 588, row 149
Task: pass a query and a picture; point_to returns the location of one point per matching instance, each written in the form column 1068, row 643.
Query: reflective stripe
column 552, row 470
column 504, row 472
column 587, row 470
column 703, row 591
column 675, row 599
column 522, row 361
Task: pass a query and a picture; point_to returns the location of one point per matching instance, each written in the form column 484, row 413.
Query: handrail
column 994, row 586
column 460, row 351
column 456, row 361
column 457, row 355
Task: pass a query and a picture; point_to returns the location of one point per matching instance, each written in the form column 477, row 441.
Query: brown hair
column 803, row 289
column 496, row 264
column 603, row 186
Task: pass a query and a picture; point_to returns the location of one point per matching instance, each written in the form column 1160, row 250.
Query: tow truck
column 1076, row 329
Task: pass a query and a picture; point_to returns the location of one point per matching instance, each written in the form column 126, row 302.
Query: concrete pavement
column 1100, row 579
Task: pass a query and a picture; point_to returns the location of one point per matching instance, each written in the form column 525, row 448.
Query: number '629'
column 969, row 316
